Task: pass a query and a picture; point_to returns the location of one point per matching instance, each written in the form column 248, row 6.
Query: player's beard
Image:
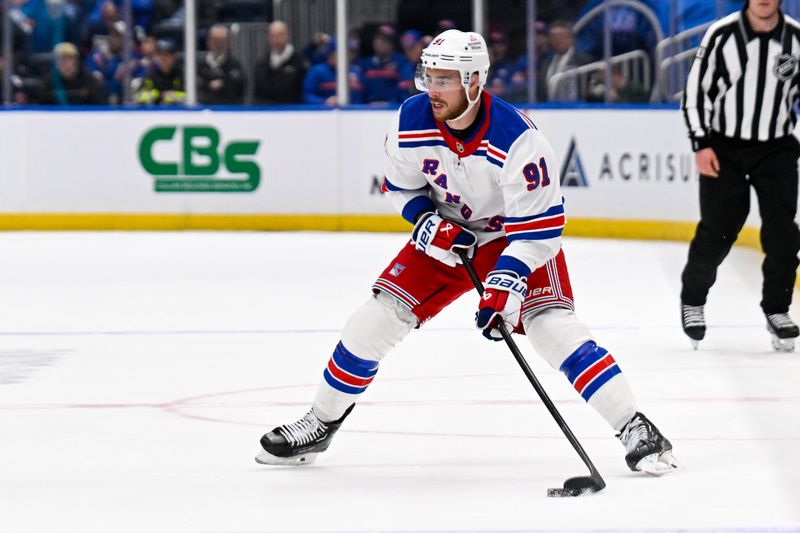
column 451, row 111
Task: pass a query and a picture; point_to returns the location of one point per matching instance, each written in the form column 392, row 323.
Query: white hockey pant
column 568, row 346
column 369, row 335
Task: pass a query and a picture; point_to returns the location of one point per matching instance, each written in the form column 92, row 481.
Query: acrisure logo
column 572, row 174
column 199, row 158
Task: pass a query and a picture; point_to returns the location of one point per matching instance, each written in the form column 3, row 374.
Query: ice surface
column 138, row 371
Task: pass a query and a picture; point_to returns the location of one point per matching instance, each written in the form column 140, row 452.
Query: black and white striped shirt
column 743, row 84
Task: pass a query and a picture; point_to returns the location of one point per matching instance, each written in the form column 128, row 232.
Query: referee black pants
column 771, row 168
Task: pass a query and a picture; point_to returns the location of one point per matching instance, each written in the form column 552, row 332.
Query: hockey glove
column 439, row 238
column 502, row 299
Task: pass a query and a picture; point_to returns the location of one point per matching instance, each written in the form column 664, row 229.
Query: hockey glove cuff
column 502, row 299
column 440, row 238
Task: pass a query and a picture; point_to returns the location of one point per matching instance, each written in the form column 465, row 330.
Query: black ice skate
column 299, row 442
column 783, row 331
column 694, row 323
column 647, row 449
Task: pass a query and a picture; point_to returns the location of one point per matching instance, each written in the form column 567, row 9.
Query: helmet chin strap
column 470, row 104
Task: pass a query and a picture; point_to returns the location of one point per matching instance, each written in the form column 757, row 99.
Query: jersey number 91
column 536, row 175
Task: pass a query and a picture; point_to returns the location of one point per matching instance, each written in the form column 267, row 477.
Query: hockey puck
column 577, row 486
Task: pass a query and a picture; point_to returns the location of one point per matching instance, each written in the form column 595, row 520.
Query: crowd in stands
column 386, row 75
column 72, row 52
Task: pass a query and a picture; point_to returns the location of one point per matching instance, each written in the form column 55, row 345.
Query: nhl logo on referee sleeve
column 785, row 67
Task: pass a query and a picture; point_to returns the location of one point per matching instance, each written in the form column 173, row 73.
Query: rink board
column 627, row 173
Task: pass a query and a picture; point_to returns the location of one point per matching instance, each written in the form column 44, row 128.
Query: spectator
column 382, row 69
column 353, row 45
column 564, row 57
column 107, row 14
column 623, row 90
column 279, row 75
column 542, row 41
column 147, row 51
column 163, row 85
column 316, row 51
column 220, row 78
column 68, row 83
column 502, row 67
column 143, row 11
column 411, row 42
column 51, row 22
column 543, row 54
column 107, row 63
column 319, row 86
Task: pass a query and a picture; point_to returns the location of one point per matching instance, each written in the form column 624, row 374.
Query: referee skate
column 783, row 331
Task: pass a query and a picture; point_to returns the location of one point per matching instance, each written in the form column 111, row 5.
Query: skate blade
column 695, row 344
column 264, row 458
column 782, row 345
column 657, row 465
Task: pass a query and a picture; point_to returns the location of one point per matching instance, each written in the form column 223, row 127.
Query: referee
column 738, row 106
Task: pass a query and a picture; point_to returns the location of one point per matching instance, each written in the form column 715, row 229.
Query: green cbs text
column 200, row 142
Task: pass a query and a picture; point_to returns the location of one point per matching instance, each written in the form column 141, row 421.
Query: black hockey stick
column 574, row 486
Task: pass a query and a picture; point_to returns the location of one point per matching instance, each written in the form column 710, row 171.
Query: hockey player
column 471, row 173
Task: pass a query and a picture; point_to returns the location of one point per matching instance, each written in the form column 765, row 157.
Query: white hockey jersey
column 502, row 182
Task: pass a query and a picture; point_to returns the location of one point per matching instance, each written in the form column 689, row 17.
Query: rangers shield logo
column 396, row 269
column 785, row 67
